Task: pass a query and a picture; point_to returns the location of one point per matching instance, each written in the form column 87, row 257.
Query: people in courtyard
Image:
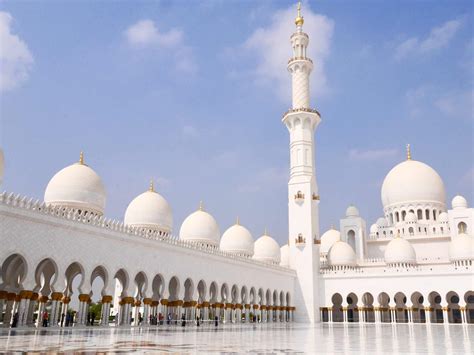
column 45, row 318
column 216, row 321
column 15, row 320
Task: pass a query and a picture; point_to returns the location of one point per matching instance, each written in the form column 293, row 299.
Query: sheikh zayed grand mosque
column 414, row 264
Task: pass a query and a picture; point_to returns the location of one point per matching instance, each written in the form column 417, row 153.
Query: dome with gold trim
column 77, row 186
column 150, row 210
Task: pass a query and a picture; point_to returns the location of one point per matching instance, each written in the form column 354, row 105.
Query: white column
column 445, row 315
column 8, row 313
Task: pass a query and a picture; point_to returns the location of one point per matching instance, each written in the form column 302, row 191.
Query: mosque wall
column 38, row 236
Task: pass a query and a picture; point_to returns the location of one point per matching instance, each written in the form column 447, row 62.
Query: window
column 427, row 214
column 397, row 216
column 404, row 213
column 419, row 214
column 462, row 227
column 434, row 215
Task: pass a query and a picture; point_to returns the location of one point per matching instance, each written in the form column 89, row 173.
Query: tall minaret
column 303, row 197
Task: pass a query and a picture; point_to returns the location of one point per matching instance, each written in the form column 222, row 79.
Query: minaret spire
column 408, row 152
column 299, row 20
column 81, row 158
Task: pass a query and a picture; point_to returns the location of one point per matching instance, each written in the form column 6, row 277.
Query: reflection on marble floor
column 260, row 339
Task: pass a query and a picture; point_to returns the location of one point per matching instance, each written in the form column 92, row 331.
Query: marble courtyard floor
column 259, row 339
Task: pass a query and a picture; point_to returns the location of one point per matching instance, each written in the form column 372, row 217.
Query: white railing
column 73, row 215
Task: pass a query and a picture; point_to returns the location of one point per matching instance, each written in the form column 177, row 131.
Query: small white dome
column 382, row 222
column 410, row 218
column 443, row 217
column 412, row 181
column 77, row 186
column 341, row 254
column 150, row 210
column 374, row 228
column 266, row 249
column 285, row 255
column 2, row 165
column 461, row 247
column 352, row 211
column 237, row 240
column 200, row 227
column 459, row 202
column 399, row 250
column 328, row 239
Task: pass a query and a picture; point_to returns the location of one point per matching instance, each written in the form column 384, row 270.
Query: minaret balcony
column 299, row 197
column 295, row 59
column 300, row 240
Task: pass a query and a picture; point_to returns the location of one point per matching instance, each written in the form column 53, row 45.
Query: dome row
column 397, row 251
column 80, row 187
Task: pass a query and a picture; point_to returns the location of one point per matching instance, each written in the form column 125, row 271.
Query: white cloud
column 189, row 131
column 426, row 99
column 271, row 46
column 372, row 155
column 438, row 38
column 16, row 60
column 145, row 34
column 457, row 104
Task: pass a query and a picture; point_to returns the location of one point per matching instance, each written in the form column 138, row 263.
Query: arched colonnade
column 29, row 292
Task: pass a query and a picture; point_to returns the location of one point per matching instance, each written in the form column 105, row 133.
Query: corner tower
column 303, row 197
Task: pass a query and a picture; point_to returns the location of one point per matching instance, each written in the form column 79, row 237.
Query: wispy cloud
column 439, row 37
column 265, row 178
column 189, row 131
column 145, row 34
column 372, row 154
column 271, row 47
column 16, row 60
column 426, row 99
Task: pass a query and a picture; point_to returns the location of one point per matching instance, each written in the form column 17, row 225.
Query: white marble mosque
column 413, row 265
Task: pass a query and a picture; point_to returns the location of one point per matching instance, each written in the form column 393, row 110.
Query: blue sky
column 191, row 93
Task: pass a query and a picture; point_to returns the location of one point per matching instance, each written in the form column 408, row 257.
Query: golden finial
column 265, row 232
column 152, row 186
column 237, row 222
column 408, row 152
column 81, row 158
column 299, row 19
column 201, row 206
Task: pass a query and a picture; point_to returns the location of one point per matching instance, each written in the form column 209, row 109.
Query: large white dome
column 238, row 240
column 341, row 254
column 150, row 210
column 77, row 186
column 266, row 249
column 399, row 250
column 461, row 247
column 285, row 255
column 328, row 239
column 200, row 227
column 412, row 181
